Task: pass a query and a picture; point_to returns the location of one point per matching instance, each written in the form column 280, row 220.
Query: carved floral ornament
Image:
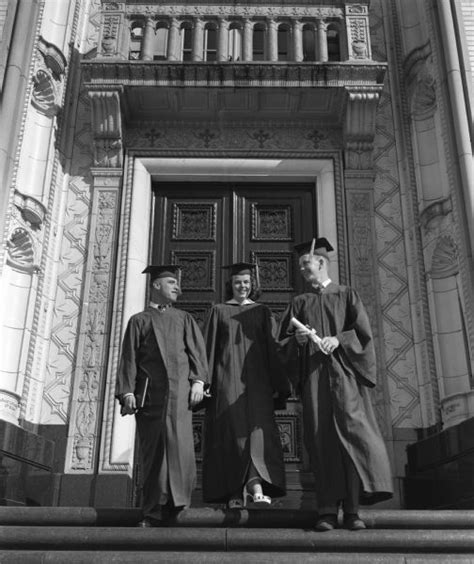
column 444, row 262
column 20, row 249
column 48, row 79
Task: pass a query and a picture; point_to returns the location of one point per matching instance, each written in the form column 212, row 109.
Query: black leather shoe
column 326, row 523
column 149, row 522
column 353, row 522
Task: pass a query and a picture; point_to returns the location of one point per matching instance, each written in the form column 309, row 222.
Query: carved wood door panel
column 203, row 226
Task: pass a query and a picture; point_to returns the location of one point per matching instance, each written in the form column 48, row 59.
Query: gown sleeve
column 356, row 341
column 279, row 379
column 127, row 371
column 196, row 350
column 210, row 338
column 290, row 353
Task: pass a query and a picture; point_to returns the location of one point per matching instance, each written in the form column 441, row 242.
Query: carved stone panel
column 193, row 222
column 272, row 222
column 276, row 270
column 198, row 269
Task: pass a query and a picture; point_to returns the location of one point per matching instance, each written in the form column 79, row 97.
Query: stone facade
column 399, row 210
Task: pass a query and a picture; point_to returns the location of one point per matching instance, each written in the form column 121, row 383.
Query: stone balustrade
column 246, row 33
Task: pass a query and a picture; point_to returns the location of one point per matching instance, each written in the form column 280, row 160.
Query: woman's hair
column 255, row 292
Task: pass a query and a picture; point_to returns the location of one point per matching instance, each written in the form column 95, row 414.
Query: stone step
column 217, row 517
column 102, row 557
column 120, row 539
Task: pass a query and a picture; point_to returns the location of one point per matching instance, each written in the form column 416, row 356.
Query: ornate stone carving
column 32, row 210
column 272, row 222
column 358, row 37
column 424, row 96
column 359, row 126
column 107, row 127
column 89, row 381
column 433, row 215
column 20, row 249
column 444, row 262
column 48, row 79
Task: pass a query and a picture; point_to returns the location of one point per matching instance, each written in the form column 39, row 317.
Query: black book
column 141, row 389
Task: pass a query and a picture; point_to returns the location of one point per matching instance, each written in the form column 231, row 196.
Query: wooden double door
column 205, row 226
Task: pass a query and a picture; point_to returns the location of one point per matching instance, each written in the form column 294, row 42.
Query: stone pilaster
column 358, row 33
column 358, row 135
column 93, row 339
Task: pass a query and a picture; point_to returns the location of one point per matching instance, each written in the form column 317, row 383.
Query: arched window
column 136, row 40
column 210, row 42
column 284, row 42
column 258, row 52
column 235, row 42
column 334, row 50
column 309, row 43
column 160, row 46
column 186, row 34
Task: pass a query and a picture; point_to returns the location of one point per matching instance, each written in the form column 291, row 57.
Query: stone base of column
column 26, row 467
column 95, row 490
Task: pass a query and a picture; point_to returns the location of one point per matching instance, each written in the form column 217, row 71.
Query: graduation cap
column 163, row 271
column 243, row 268
column 320, row 246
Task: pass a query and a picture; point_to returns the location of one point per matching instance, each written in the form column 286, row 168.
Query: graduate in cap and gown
column 162, row 374
column 326, row 337
column 242, row 449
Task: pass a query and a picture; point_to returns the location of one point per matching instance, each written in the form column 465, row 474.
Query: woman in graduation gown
column 242, row 447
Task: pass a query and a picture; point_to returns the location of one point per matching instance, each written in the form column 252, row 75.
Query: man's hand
column 302, row 336
column 329, row 344
column 129, row 405
column 197, row 394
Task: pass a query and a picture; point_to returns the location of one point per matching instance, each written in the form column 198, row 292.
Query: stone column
column 85, row 425
column 272, row 40
column 322, row 41
column 148, row 40
column 223, row 42
column 198, row 40
column 173, row 40
column 247, row 48
column 298, row 40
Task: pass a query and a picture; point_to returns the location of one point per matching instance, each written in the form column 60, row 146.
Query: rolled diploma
column 312, row 333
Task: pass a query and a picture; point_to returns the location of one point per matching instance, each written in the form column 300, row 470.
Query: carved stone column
column 173, row 40
column 90, row 375
column 198, row 40
column 247, row 49
column 298, row 40
column 223, row 45
column 272, row 40
column 322, row 41
column 148, row 40
column 358, row 133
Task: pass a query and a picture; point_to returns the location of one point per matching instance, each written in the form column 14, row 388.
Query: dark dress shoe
column 353, row 522
column 149, row 522
column 326, row 523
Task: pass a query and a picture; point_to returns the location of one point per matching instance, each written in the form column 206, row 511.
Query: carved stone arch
column 444, row 262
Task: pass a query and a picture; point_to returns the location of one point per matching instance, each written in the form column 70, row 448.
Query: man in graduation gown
column 332, row 357
column 166, row 346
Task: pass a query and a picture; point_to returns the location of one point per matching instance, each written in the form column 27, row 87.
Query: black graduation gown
column 168, row 347
column 239, row 425
column 335, row 391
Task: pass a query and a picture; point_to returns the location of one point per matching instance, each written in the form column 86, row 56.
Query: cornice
column 245, row 74
column 230, row 11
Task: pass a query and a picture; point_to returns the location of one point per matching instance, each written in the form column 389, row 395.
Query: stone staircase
column 73, row 535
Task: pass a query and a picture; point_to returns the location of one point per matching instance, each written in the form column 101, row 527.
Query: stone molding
column 242, row 74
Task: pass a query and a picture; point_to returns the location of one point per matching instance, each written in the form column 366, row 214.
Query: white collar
column 233, row 301
column 160, row 307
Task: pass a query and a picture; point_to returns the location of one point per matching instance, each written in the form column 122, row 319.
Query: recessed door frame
column 118, row 433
